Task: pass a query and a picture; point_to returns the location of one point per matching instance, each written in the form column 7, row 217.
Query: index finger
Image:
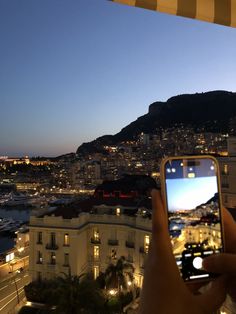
column 159, row 216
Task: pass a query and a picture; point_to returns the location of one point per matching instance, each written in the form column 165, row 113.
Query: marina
column 11, row 220
column 16, row 209
column 14, row 199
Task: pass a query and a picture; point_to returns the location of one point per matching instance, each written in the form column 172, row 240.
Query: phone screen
column 194, row 213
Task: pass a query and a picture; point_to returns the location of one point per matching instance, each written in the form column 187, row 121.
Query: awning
column 214, row 11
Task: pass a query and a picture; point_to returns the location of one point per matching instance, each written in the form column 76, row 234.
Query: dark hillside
column 210, row 111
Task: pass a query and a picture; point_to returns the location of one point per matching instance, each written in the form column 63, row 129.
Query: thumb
column 159, row 216
column 212, row 299
column 221, row 263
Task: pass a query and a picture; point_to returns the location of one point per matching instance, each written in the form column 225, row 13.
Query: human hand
column 225, row 263
column 164, row 290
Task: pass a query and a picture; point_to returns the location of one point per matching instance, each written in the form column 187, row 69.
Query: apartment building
column 90, row 241
column 228, row 175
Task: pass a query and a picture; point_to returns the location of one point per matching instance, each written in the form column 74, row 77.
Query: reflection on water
column 6, row 243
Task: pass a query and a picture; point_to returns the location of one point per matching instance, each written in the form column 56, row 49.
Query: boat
column 17, row 199
column 4, row 198
column 8, row 225
column 5, row 222
column 25, row 200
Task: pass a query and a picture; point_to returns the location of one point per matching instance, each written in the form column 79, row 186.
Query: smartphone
column 191, row 193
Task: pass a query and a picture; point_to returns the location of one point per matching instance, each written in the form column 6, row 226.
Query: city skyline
column 72, row 73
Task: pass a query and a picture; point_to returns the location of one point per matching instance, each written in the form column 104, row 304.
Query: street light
column 112, row 292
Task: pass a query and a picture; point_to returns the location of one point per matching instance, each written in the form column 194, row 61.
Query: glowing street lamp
column 112, row 292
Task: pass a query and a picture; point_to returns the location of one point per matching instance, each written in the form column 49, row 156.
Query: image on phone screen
column 193, row 213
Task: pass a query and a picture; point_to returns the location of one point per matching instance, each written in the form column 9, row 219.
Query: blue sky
column 190, row 193
column 71, row 70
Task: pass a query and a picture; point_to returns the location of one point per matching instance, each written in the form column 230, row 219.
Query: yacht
column 5, row 222
column 8, row 225
column 4, row 198
column 19, row 199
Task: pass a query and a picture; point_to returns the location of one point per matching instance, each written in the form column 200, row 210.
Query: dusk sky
column 184, row 194
column 73, row 70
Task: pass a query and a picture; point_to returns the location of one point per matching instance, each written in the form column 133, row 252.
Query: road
column 13, row 265
column 11, row 281
column 11, row 289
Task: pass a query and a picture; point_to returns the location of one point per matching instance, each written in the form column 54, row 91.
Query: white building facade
column 88, row 243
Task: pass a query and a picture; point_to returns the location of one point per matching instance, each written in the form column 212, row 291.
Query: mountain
column 211, row 111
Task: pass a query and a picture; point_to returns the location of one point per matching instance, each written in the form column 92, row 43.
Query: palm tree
column 67, row 293
column 78, row 294
column 116, row 274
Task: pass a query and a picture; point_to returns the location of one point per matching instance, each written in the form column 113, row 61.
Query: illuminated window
column 96, row 251
column 225, row 169
column 53, row 258
column 10, row 257
column 96, row 234
column 95, row 272
column 40, row 257
column 66, row 239
column 117, row 211
column 113, row 254
column 214, row 233
column 146, row 243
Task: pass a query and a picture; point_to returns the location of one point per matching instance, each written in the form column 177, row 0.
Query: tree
column 79, row 294
column 69, row 294
column 116, row 275
column 41, row 291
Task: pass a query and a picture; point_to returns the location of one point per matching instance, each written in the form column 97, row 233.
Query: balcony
column 51, row 246
column 129, row 244
column 51, row 264
column 113, row 242
column 95, row 241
